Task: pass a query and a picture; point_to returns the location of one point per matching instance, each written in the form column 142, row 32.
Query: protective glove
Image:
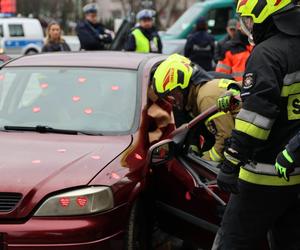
column 286, row 162
column 228, row 101
column 228, row 176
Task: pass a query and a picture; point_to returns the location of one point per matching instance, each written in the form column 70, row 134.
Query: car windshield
column 95, row 100
column 185, row 21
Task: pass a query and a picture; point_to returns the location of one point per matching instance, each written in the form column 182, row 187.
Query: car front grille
column 8, row 201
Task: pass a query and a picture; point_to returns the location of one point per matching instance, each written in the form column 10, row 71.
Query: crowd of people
column 227, row 56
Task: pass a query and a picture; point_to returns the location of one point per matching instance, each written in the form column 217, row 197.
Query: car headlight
column 78, row 202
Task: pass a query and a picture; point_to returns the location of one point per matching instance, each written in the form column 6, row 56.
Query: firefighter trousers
column 254, row 212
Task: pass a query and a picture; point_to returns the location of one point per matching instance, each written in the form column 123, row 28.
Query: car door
column 16, row 39
column 184, row 207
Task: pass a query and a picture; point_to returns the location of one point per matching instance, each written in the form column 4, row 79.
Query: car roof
column 107, row 59
column 17, row 19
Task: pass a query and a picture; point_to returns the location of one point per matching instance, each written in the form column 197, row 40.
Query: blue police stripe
column 22, row 43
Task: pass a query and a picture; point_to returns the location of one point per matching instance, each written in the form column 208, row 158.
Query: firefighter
column 144, row 38
column 194, row 91
column 235, row 55
column 270, row 117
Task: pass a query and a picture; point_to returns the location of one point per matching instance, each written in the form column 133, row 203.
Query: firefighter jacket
column 270, row 116
column 236, row 53
column 201, row 97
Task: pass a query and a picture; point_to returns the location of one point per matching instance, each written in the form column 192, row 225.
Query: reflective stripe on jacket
column 264, row 174
column 234, row 63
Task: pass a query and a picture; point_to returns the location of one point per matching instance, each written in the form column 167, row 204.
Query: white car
column 21, row 36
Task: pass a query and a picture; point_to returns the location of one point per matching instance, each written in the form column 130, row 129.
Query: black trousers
column 254, row 212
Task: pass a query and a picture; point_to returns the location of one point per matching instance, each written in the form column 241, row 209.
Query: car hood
column 37, row 164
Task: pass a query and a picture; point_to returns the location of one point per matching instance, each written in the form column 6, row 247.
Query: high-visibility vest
column 142, row 42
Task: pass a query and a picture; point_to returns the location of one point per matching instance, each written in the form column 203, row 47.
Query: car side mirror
column 162, row 152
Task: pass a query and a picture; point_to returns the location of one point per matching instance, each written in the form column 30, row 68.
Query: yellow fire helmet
column 173, row 73
column 260, row 10
column 179, row 58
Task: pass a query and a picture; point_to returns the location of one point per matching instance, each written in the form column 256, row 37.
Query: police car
column 20, row 36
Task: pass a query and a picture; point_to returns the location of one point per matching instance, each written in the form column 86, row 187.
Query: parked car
column 77, row 171
column 217, row 13
column 21, row 36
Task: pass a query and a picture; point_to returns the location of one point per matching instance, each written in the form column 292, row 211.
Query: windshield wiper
column 41, row 129
column 45, row 129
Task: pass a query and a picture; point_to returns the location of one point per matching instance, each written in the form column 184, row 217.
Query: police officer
column 270, row 117
column 194, row 91
column 144, row 38
column 200, row 46
column 92, row 35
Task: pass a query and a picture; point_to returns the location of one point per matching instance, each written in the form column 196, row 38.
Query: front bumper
column 101, row 231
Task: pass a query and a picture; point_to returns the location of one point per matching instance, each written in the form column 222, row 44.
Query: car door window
column 16, row 30
column 217, row 20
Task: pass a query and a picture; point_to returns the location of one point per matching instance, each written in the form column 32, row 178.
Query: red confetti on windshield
column 188, row 196
column 88, row 111
column 2, row 77
column 36, row 162
column 115, row 88
column 36, row 110
column 81, row 80
column 138, row 156
column 115, row 176
column 76, row 98
column 95, row 157
column 44, row 85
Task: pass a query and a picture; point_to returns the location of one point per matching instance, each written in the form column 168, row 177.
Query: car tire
column 31, row 52
column 140, row 227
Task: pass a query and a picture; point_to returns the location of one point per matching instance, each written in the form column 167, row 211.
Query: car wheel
column 31, row 52
column 140, row 227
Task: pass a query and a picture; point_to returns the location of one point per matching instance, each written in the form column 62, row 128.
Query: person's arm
column 87, row 38
column 225, row 65
column 289, row 158
column 130, row 43
column 106, row 37
column 220, row 126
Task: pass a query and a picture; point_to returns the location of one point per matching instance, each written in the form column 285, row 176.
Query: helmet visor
column 247, row 27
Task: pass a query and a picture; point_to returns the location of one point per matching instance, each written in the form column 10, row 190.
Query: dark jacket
column 92, row 36
column 149, row 33
column 199, row 49
column 270, row 116
column 56, row 47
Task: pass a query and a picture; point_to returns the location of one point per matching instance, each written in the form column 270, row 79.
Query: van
column 217, row 14
column 21, row 36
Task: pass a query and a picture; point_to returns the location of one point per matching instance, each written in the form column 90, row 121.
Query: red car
column 74, row 162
